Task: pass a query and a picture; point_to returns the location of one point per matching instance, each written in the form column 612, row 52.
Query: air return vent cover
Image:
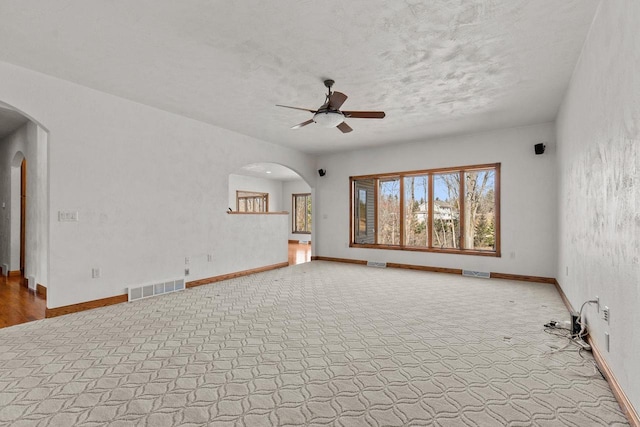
column 376, row 264
column 154, row 289
column 481, row 274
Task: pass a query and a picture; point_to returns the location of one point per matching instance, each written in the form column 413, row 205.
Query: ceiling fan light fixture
column 328, row 119
column 329, row 114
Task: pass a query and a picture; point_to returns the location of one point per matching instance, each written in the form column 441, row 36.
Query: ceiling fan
column 329, row 114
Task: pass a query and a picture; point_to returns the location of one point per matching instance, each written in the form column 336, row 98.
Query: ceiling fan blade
column 299, row 125
column 337, row 99
column 364, row 114
column 297, row 108
column 345, row 128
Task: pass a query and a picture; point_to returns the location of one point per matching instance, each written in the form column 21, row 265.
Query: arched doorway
column 276, row 188
column 24, row 227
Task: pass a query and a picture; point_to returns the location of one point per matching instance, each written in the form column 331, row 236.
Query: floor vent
column 376, row 264
column 481, row 274
column 154, row 289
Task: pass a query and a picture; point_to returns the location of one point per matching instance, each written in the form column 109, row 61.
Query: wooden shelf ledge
column 257, row 213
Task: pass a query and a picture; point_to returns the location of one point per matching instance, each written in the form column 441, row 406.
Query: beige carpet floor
column 315, row 344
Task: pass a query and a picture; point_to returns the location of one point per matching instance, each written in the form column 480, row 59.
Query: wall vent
column 31, row 283
column 376, row 264
column 5, row 269
column 481, row 274
column 154, row 289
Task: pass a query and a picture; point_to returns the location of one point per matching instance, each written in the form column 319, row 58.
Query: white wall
column 260, row 185
column 528, row 197
column 151, row 188
column 26, row 142
column 15, row 209
column 41, row 209
column 289, row 188
column 599, row 186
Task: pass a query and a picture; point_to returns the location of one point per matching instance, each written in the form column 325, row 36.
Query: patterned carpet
column 315, row 344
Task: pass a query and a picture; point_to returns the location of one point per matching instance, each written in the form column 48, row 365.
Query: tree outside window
column 389, row 211
column 302, row 213
column 251, row 201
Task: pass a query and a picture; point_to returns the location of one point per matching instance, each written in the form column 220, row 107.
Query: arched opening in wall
column 24, row 227
column 271, row 188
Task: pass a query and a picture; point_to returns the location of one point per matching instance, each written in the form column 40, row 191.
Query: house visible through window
column 250, row 201
column 302, row 213
column 452, row 210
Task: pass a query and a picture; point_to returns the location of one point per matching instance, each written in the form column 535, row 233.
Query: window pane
column 416, row 207
column 479, row 210
column 250, row 201
column 302, row 213
column 389, row 211
column 446, row 210
column 363, row 211
column 307, row 203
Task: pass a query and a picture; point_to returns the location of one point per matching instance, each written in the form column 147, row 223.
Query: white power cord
column 582, row 321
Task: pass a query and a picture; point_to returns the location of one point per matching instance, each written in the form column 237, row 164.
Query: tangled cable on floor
column 559, row 329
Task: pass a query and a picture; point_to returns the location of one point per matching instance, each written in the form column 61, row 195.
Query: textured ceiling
column 436, row 67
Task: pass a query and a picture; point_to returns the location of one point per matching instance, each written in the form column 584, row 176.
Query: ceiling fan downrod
column 328, row 83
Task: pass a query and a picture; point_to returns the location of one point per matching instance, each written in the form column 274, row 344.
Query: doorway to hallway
column 299, row 253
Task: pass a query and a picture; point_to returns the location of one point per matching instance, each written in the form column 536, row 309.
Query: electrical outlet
column 187, row 260
column 209, row 257
column 68, row 216
column 605, row 314
column 95, row 273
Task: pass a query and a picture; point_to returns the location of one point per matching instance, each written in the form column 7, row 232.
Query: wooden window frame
column 295, row 213
column 240, row 195
column 461, row 195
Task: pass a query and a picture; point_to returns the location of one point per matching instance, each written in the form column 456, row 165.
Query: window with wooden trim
column 452, row 210
column 302, row 213
column 251, row 201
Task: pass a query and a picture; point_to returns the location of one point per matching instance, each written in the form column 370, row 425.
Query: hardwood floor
column 299, row 253
column 18, row 304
